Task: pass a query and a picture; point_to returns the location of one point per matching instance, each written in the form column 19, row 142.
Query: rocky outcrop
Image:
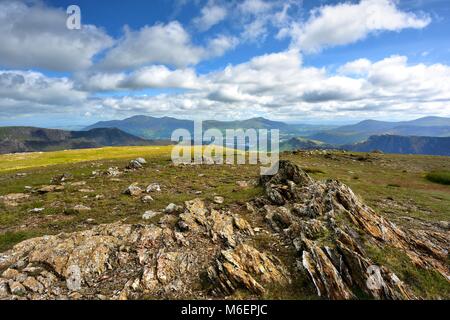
column 330, row 227
column 121, row 261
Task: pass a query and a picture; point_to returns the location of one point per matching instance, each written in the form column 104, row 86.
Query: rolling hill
column 428, row 126
column 302, row 143
column 439, row 146
column 29, row 139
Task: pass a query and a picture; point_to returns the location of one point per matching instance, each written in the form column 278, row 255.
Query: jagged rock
column 153, row 187
column 50, row 188
column 246, row 267
column 133, row 190
column 313, row 213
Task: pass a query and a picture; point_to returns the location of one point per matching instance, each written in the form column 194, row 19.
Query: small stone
column 50, row 188
column 134, row 165
column 147, row 199
column 242, row 184
column 99, row 197
column 78, row 184
column 153, row 187
column 149, row 214
column 113, row 172
column 133, row 190
column 36, row 210
column 141, row 161
column 218, row 200
column 80, row 208
column 172, row 208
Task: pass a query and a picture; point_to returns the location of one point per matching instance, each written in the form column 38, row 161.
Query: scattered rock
column 78, row 184
column 36, row 210
column 81, row 208
column 13, row 199
column 113, row 172
column 134, row 165
column 133, row 190
column 150, row 214
column 61, row 178
column 147, row 199
column 172, row 208
column 153, row 187
column 242, row 184
column 50, row 188
column 219, row 200
column 141, row 161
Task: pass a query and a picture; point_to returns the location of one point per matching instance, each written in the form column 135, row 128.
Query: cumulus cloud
column 345, row 23
column 162, row 43
column 35, row 36
column 34, row 87
column 168, row 44
column 210, row 15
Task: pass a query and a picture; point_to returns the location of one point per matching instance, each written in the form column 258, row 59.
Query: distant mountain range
column 29, row 139
column 439, row 146
column 428, row 126
column 161, row 128
column 429, row 135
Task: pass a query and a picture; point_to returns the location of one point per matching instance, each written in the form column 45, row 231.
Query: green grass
column 13, row 162
column 441, row 177
column 9, row 239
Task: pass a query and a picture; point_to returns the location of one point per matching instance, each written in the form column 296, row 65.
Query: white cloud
column 210, row 15
column 161, row 77
column 162, row 43
column 34, row 87
column 169, row 44
column 35, row 36
column 346, row 23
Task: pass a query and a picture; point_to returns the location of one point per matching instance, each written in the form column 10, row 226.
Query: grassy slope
column 394, row 185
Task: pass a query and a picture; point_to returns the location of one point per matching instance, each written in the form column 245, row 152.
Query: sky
column 295, row 61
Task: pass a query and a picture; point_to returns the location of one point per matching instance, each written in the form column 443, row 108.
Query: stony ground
column 225, row 225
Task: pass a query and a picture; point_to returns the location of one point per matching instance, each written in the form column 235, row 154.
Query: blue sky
column 303, row 61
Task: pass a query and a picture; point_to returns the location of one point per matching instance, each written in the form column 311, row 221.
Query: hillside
column 161, row 128
column 220, row 232
column 427, row 126
column 29, row 139
column 404, row 145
